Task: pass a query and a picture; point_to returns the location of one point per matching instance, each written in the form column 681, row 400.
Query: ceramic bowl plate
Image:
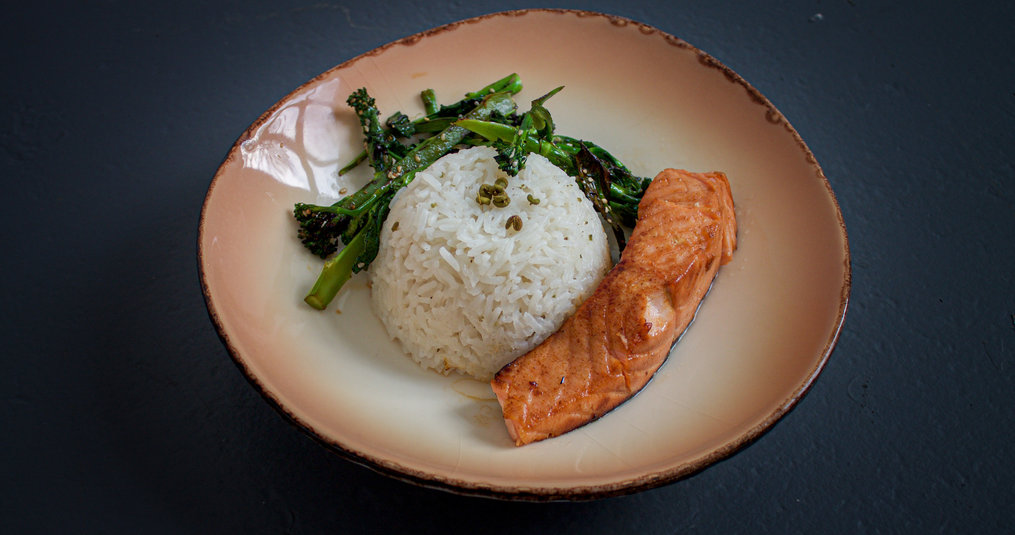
column 761, row 336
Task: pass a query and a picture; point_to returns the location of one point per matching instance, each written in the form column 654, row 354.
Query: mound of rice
column 462, row 292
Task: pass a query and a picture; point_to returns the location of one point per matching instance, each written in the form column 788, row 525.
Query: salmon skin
column 617, row 339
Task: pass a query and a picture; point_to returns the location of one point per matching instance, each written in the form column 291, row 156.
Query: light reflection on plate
column 760, row 339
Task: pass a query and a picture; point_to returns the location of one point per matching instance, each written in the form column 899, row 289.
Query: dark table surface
column 121, row 411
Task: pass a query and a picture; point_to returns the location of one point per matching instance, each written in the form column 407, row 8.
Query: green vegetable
column 356, row 220
column 399, row 147
column 437, row 118
column 429, row 101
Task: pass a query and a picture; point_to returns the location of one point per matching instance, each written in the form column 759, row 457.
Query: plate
column 760, row 338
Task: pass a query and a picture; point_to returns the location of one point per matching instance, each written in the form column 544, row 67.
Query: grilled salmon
column 617, row 339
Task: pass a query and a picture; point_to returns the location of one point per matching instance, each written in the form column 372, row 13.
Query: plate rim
column 513, row 492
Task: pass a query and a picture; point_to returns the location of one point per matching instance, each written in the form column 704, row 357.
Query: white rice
column 463, row 293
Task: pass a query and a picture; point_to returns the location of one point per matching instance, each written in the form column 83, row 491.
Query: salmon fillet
column 617, row 339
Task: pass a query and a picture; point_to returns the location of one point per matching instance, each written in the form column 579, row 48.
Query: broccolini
column 399, row 147
column 356, row 220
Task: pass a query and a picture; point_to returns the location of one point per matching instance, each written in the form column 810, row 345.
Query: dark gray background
column 120, row 410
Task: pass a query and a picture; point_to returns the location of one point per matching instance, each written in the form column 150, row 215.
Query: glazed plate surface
column 761, row 336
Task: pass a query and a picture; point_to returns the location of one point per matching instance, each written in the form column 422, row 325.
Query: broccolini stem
column 432, row 148
column 429, row 101
column 361, row 201
column 511, row 83
column 494, row 131
column 620, row 194
column 360, row 158
column 336, row 272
